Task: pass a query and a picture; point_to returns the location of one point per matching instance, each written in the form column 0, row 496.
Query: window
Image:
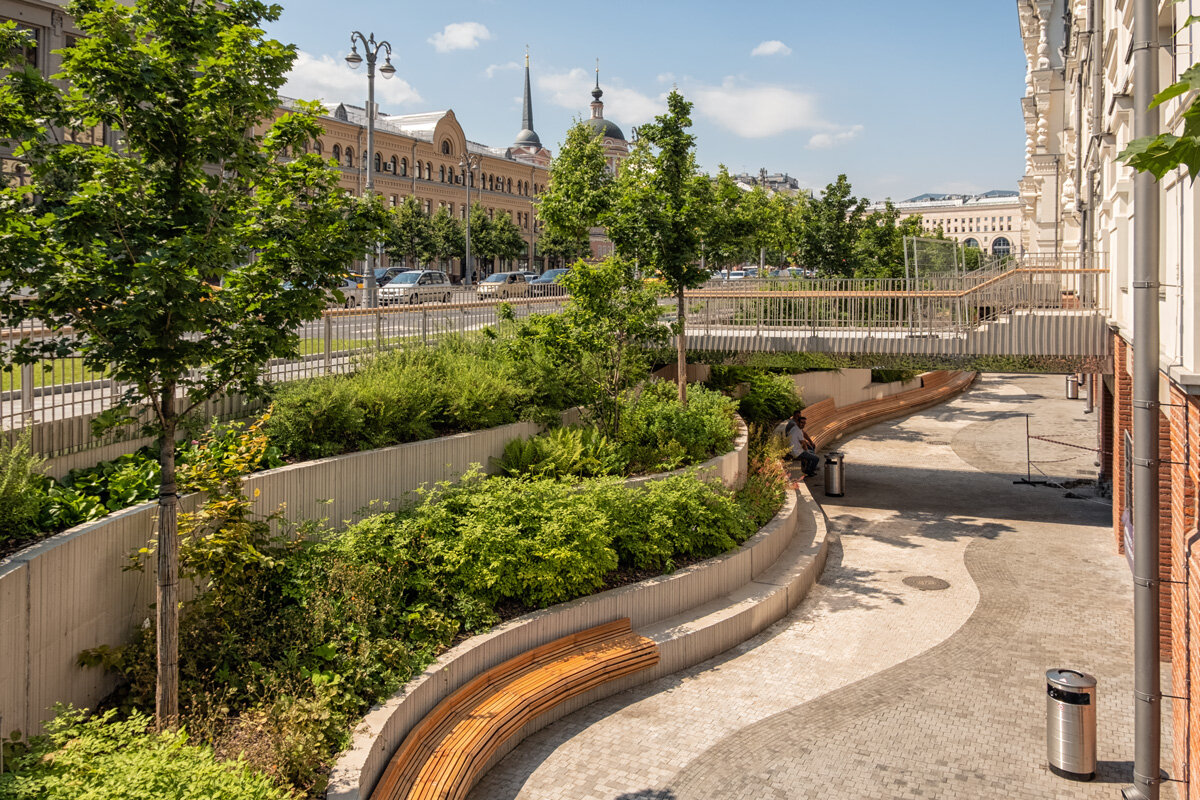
column 319, row 148
column 1001, row 246
column 337, row 154
column 445, row 147
column 378, row 163
column 420, row 171
column 428, row 170
column 442, row 173
column 395, row 166
column 509, row 190
column 403, row 167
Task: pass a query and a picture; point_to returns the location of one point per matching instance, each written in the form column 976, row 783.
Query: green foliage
column 22, row 488
column 1160, row 154
column 108, row 757
column 893, row 375
column 408, row 395
column 879, row 249
column 581, row 452
column 411, row 233
column 447, row 237
column 660, row 433
column 767, row 481
column 771, row 397
column 729, row 372
column 611, row 318
column 829, row 231
column 578, row 192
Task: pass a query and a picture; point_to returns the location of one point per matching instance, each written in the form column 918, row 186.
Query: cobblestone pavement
column 873, row 688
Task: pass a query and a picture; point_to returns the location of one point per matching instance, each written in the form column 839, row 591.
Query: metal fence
column 1051, row 306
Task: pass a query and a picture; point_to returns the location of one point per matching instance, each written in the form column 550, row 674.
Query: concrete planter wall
column 69, row 593
column 662, row 608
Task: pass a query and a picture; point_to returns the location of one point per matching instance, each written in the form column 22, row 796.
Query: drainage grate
column 926, row 583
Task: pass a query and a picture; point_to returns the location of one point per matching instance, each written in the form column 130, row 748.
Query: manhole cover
column 926, row 583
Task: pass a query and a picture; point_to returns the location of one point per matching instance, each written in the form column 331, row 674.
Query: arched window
column 442, row 173
column 471, row 177
column 319, row 148
column 403, row 167
column 1001, row 246
column 445, row 147
column 491, row 183
column 365, row 158
column 337, row 154
column 349, row 158
column 971, row 243
column 428, row 170
column 420, row 171
column 378, row 163
column 509, row 189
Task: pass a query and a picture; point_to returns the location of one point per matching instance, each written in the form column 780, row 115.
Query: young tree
column 410, row 236
column 612, row 320
column 446, row 238
column 829, row 230
column 657, row 218
column 727, row 226
column 559, row 250
column 185, row 261
column 505, row 239
column 879, row 251
column 481, row 237
column 578, row 190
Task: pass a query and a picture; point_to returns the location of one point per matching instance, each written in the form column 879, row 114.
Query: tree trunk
column 681, row 348
column 166, row 697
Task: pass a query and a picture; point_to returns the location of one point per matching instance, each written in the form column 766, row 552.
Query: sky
column 903, row 98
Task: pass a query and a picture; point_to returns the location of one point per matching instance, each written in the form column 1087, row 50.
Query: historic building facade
column 1078, row 204
column 989, row 221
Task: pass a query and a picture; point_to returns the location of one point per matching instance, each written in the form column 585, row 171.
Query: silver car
column 504, row 284
column 416, row 286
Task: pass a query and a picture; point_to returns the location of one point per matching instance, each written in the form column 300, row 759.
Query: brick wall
column 1120, row 421
column 1184, row 432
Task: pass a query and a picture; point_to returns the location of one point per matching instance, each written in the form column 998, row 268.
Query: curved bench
column 827, row 423
column 444, row 756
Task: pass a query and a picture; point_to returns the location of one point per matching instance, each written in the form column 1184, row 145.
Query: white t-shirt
column 796, row 438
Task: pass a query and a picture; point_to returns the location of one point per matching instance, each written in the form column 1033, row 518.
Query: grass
column 50, row 372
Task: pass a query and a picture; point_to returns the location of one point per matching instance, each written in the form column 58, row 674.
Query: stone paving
column 873, row 688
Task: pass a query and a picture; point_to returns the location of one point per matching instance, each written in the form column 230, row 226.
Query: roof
column 605, row 128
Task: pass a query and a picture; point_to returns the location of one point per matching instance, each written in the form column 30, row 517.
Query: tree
column 727, row 224
column 879, row 251
column 612, row 319
column 446, row 238
column 185, row 261
column 505, row 239
column 481, row 234
column 829, row 230
column 578, row 190
column 657, row 218
column 558, row 249
column 410, row 236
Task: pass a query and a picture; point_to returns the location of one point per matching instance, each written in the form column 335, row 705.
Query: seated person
column 803, row 448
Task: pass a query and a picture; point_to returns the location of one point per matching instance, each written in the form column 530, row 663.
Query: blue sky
column 904, row 98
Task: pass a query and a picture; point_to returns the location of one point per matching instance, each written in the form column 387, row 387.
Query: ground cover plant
column 297, row 636
column 656, row 433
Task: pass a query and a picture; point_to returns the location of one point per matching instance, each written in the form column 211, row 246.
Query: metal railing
column 1039, row 307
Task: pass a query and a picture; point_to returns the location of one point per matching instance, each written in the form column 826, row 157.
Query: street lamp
column 469, row 162
column 354, row 59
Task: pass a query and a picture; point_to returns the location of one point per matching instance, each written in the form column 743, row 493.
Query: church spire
column 597, row 93
column 527, row 137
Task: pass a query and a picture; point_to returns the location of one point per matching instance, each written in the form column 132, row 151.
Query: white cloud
column 773, row 47
column 828, row 139
column 757, row 112
column 573, row 89
column 459, row 36
column 332, row 81
column 492, row 69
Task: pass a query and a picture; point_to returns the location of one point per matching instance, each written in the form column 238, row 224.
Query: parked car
column 504, row 284
column 547, row 283
column 735, row 275
column 416, row 286
column 385, row 274
column 530, row 277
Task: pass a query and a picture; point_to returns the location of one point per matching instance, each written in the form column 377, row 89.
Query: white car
column 504, row 284
column 416, row 286
column 735, row 275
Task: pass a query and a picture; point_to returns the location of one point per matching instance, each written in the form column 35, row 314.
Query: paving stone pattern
column 875, row 689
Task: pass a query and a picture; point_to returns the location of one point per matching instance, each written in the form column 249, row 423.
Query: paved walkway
column 873, row 688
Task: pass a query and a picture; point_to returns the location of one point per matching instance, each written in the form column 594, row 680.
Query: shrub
column 107, row 757
column 770, row 399
column 22, row 488
column 893, row 375
column 580, row 451
column 657, row 433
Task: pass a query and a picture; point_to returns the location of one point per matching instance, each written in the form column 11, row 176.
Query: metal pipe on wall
column 1146, row 596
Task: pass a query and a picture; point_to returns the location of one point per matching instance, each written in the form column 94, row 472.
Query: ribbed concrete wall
column 69, row 593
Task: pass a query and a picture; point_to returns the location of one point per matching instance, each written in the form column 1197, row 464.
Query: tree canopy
column 183, row 256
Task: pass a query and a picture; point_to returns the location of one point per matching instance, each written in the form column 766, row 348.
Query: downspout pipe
column 1146, row 587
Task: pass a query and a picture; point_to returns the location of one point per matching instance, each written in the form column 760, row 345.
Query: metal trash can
column 1072, row 387
column 835, row 474
column 1071, row 724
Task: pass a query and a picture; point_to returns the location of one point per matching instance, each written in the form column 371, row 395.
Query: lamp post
column 371, row 48
column 469, row 163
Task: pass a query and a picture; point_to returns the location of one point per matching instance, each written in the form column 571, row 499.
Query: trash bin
column 835, row 474
column 1071, row 724
column 1072, row 387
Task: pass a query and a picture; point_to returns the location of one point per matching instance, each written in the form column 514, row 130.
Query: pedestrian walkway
column 878, row 688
